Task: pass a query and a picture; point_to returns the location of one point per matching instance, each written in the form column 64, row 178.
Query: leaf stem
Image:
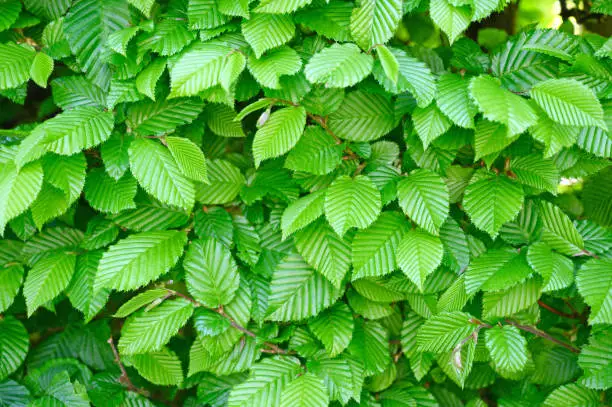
column 542, row 334
column 124, row 378
column 557, row 312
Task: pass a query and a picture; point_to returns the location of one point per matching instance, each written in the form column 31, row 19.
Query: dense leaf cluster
column 302, row 203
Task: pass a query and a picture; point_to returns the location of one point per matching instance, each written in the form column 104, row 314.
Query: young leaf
column 418, row 255
column 352, row 202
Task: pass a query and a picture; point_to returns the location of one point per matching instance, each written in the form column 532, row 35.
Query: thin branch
column 124, row 378
column 557, row 312
column 542, row 334
column 272, row 348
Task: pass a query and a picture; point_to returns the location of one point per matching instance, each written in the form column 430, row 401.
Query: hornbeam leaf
column 418, row 255
column 352, row 202
column 339, row 66
column 159, row 174
column 375, row 21
column 280, row 133
column 138, row 259
column 334, row 327
column 594, row 282
column 211, row 273
column 148, row 331
column 442, row 332
column 14, row 343
column 508, row 348
column 266, row 384
column 297, row 291
column 423, row 196
column 501, row 105
column 491, row 202
column 569, row 102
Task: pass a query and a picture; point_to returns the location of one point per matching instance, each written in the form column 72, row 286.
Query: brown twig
column 542, row 334
column 557, row 312
column 124, row 378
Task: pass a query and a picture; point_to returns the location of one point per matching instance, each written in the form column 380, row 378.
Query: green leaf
column 14, row 344
column 280, row 6
column 13, row 394
column 307, row 390
column 41, row 69
column 147, row 79
column 324, row 250
column 106, row 194
column 18, row 189
column 556, row 270
column 87, row 26
column 423, row 196
column 188, row 157
column 80, row 292
column 9, row 12
column 302, row 212
column 501, row 105
column 138, row 259
column 352, row 202
column 389, row 62
column 331, row 20
column 573, row 394
column 429, row 123
column 334, row 328
column 510, row 301
column 221, row 120
column 317, row 152
column 414, row 77
column 338, row 66
column 144, row 6
column 149, row 331
column 267, row 31
column 537, row 172
column 153, row 297
column 594, row 283
column 74, row 91
column 280, row 133
column 67, row 133
column 162, row 367
column 451, row 19
column 266, row 384
column 159, row 174
column 362, row 117
column 495, row 270
column 375, row 248
column 375, row 21
column 558, row 231
column 569, row 102
column 418, row 255
column 507, row 347
column 11, row 278
column 224, row 183
column 269, row 68
column 297, row 291
column 594, row 359
column 442, row 332
column 370, row 346
column 491, row 202
column 47, row 279
column 211, row 273
column 555, row 136
column 204, row 14
column 15, row 63
column 157, row 118
column 199, row 67
column 454, row 100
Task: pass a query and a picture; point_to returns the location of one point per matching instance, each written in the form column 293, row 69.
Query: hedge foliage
column 302, row 203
